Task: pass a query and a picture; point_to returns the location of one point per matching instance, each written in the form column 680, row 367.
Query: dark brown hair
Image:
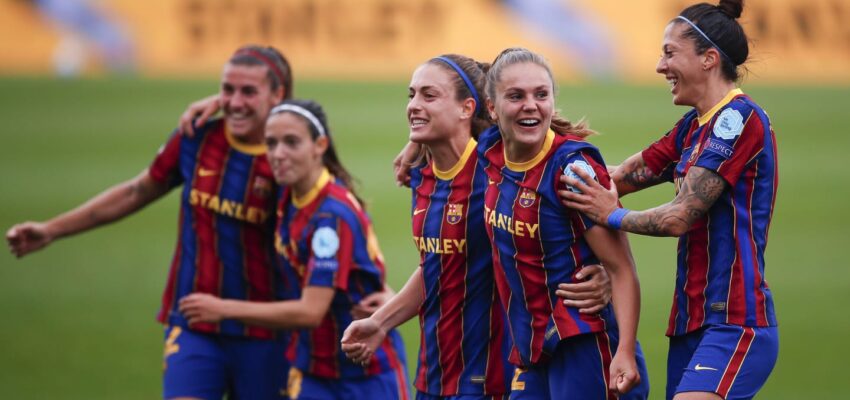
column 720, row 24
column 279, row 70
column 330, row 159
column 517, row 55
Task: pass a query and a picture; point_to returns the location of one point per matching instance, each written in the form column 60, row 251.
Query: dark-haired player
column 225, row 238
column 326, row 239
column 721, row 156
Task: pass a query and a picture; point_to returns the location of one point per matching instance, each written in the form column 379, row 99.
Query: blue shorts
column 578, row 370
column 732, row 361
column 208, row 366
column 387, row 385
column 426, row 396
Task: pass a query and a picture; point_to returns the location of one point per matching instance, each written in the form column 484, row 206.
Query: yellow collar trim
column 300, row 202
column 703, row 119
column 252, row 149
column 527, row 165
column 453, row 171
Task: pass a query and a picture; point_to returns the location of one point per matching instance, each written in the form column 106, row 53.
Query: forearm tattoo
column 700, row 189
column 637, row 174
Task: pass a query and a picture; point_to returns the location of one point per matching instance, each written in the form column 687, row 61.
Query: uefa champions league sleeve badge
column 729, row 124
column 569, row 172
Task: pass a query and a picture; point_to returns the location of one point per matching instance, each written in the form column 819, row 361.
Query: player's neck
column 714, row 93
column 446, row 153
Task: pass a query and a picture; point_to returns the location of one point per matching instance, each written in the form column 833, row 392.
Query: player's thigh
column 195, row 365
column 579, row 368
column 697, row 396
column 732, row 361
column 259, row 368
column 426, row 396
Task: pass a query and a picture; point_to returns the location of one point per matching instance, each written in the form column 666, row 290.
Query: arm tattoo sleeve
column 700, row 189
column 638, row 175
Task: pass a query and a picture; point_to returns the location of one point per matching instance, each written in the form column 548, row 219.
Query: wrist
column 615, row 218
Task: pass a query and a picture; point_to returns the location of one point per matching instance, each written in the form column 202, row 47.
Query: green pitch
column 78, row 317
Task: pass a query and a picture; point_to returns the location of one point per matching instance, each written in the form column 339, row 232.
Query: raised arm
column 110, row 205
column 701, row 187
column 612, row 248
column 198, row 113
column 306, row 312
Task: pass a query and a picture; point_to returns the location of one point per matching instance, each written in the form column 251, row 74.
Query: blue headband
column 463, row 76
column 693, row 25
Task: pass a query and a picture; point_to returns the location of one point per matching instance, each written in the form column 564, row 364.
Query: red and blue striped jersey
column 226, row 224
column 720, row 274
column 464, row 343
column 327, row 239
column 538, row 242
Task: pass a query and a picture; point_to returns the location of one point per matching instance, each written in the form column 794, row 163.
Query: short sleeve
column 585, row 160
column 165, row 166
column 331, row 254
column 736, row 137
column 662, row 156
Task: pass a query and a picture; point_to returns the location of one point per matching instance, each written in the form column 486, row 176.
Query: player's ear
column 322, row 144
column 491, row 109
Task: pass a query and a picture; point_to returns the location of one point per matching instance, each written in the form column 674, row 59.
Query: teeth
column 528, row 122
column 417, row 122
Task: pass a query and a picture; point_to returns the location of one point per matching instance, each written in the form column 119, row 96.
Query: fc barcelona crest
column 262, row 187
column 454, row 213
column 527, row 198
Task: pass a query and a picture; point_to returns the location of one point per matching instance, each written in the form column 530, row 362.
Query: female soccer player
column 537, row 243
column 722, row 158
column 225, row 240
column 324, row 236
column 463, row 350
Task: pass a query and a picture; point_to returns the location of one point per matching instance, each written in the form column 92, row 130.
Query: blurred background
column 89, row 89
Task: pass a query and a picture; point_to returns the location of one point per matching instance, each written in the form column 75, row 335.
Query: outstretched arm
column 112, row 204
column 701, row 187
column 306, row 312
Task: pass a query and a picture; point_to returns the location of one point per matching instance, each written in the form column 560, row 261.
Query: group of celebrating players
column 526, row 286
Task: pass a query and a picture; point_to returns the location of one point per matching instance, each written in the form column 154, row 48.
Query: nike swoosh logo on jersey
column 203, row 172
column 419, row 211
column 701, row 368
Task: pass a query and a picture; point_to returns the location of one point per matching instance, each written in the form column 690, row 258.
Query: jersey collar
column 252, row 149
column 453, row 171
column 527, row 165
column 703, row 119
column 301, row 201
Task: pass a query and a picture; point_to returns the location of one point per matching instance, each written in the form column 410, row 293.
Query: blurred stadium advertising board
column 805, row 41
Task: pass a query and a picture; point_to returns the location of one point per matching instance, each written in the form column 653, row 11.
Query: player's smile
column 523, row 106
column 246, row 99
column 432, row 111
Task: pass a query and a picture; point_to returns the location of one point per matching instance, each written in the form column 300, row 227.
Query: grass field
column 78, row 317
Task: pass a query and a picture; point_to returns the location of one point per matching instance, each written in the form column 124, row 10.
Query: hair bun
column 732, row 8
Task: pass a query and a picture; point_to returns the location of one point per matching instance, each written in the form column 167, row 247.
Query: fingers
column 626, row 381
column 205, row 115
column 184, row 126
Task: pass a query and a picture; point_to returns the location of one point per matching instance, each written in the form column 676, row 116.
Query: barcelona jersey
column 463, row 345
column 226, row 224
column 538, row 243
column 720, row 274
column 327, row 239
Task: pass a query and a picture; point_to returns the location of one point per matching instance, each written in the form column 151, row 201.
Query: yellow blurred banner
column 803, row 41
